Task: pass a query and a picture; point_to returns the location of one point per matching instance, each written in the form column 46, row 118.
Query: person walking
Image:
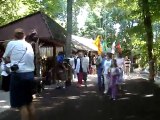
column 21, row 57
column 85, row 66
column 72, row 62
column 93, row 64
column 106, row 66
column 114, row 75
column 99, row 71
column 61, row 71
column 82, row 67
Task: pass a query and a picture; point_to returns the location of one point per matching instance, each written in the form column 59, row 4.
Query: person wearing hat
column 21, row 58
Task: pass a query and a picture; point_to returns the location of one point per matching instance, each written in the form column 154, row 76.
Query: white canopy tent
column 82, row 43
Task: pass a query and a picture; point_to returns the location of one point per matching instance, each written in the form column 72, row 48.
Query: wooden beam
column 37, row 58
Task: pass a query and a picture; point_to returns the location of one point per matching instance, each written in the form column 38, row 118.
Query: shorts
column 21, row 88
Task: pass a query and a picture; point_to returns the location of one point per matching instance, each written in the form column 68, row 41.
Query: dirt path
column 140, row 100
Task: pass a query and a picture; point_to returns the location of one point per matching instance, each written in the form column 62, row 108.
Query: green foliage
column 103, row 15
column 11, row 10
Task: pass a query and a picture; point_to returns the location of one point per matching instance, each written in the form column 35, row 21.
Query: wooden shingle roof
column 48, row 30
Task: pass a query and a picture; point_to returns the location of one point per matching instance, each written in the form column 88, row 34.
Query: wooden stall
column 50, row 38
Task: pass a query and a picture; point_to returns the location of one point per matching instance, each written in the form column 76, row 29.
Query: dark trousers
column 100, row 78
column 5, row 83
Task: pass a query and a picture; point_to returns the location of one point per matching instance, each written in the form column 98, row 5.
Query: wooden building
column 51, row 37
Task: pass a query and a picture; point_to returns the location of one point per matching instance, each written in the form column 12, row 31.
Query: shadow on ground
column 140, row 100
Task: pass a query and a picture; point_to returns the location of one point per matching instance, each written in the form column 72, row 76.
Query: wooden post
column 54, row 64
column 37, row 58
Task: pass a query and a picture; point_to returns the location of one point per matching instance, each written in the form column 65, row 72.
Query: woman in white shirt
column 21, row 85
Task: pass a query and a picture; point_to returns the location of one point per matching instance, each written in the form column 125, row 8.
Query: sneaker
column 64, row 87
column 113, row 99
column 105, row 92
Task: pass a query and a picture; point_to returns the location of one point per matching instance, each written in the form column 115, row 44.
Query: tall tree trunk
column 149, row 33
column 69, row 28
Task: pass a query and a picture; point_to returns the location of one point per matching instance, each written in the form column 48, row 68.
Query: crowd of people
column 110, row 73
column 18, row 68
column 110, row 70
column 78, row 65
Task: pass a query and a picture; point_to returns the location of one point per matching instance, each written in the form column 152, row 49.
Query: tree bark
column 69, row 28
column 149, row 36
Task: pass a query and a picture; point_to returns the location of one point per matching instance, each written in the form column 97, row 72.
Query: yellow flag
column 97, row 42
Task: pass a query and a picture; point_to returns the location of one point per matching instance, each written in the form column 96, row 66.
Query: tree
column 144, row 13
column 69, row 28
column 148, row 27
column 11, row 10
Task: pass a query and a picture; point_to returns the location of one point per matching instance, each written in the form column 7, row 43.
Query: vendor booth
column 46, row 37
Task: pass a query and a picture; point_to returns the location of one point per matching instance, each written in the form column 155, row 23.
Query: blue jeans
column 100, row 78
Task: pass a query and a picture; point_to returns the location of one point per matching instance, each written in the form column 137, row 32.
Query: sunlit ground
column 4, row 101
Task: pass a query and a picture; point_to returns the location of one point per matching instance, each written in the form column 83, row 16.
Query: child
column 114, row 75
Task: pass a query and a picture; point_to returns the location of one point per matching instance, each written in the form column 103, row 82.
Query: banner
column 97, row 42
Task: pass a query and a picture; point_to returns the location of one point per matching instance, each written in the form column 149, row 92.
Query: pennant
column 118, row 47
column 104, row 45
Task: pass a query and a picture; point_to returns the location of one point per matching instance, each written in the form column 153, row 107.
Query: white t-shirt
column 106, row 66
column 20, row 50
column 120, row 62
